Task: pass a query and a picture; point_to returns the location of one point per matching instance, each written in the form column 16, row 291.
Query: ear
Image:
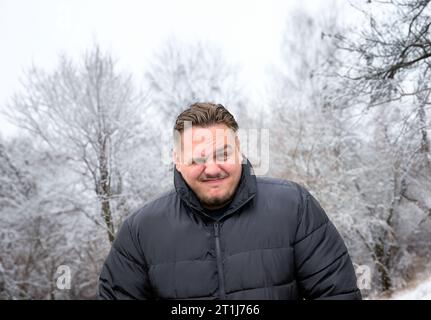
column 238, row 143
column 238, row 146
column 176, row 160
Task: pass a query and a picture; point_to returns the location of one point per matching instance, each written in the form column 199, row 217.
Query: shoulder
column 287, row 194
column 285, row 189
column 283, row 183
column 153, row 209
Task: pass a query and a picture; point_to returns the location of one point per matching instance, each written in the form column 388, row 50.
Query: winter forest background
column 347, row 105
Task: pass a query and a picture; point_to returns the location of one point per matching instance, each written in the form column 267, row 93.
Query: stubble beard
column 215, row 202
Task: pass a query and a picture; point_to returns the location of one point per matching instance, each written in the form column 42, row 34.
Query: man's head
column 207, row 153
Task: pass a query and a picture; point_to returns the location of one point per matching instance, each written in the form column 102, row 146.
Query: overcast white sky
column 36, row 31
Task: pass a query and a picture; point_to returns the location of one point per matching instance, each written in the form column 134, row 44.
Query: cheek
column 193, row 174
column 231, row 169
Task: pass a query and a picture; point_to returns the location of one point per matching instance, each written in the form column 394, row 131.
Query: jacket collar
column 245, row 191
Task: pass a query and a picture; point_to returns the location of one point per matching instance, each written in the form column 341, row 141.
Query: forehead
column 211, row 134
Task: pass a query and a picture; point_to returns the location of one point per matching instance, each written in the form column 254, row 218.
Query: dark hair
column 204, row 114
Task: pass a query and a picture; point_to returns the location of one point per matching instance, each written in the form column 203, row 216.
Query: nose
column 212, row 169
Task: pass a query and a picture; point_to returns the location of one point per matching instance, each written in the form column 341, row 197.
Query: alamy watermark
column 64, row 277
column 254, row 144
column 363, row 276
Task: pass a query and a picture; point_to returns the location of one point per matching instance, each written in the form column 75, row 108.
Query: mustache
column 209, row 178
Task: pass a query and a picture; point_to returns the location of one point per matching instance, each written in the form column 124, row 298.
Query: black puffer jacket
column 273, row 242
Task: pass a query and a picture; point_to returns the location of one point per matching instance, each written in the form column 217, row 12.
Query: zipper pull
column 216, row 229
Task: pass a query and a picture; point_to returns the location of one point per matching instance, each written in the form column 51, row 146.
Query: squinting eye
column 198, row 161
column 223, row 156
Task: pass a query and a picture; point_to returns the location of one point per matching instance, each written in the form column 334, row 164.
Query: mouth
column 213, row 181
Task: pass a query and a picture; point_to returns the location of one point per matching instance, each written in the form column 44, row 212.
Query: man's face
column 210, row 162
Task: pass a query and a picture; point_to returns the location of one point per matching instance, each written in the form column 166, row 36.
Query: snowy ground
column 421, row 292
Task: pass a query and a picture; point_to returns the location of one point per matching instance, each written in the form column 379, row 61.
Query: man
column 224, row 233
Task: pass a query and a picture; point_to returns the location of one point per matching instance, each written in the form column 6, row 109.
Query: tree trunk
column 104, row 188
column 425, row 146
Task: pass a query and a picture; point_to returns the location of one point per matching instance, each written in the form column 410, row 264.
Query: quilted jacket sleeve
column 324, row 269
column 124, row 274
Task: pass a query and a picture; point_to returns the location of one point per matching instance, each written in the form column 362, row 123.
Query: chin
column 216, row 201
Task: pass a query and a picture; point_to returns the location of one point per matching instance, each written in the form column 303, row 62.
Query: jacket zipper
column 222, row 292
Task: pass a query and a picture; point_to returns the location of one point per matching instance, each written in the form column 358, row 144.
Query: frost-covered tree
column 314, row 139
column 325, row 141
column 91, row 114
column 183, row 73
column 36, row 221
column 385, row 72
column 389, row 52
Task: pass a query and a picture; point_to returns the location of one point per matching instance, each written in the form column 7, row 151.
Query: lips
column 213, row 181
